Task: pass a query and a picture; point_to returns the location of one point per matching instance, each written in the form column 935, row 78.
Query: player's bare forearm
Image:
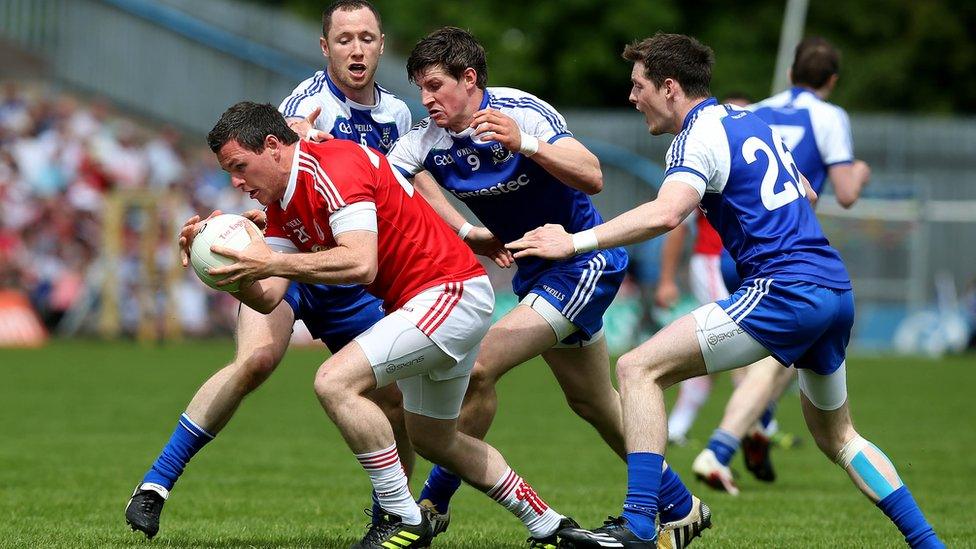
column 675, row 201
column 263, row 295
column 572, row 163
column 339, row 265
column 352, row 261
column 431, row 191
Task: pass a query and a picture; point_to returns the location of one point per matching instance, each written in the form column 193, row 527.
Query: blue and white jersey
column 817, row 133
column 752, row 195
column 378, row 126
column 510, row 193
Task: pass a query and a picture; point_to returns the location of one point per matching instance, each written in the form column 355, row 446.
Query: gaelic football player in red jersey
column 342, row 215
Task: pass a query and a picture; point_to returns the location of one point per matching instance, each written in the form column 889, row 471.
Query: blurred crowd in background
column 60, row 155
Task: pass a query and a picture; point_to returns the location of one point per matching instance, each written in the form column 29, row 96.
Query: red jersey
column 416, row 248
column 708, row 242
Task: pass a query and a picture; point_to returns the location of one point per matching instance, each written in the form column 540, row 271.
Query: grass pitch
column 80, row 422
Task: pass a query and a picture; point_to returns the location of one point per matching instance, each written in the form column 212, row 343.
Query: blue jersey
column 338, row 313
column 817, row 133
column 378, row 126
column 752, row 195
column 510, row 193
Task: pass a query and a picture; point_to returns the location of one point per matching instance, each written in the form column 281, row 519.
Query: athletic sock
column 440, row 487
column 186, row 441
column 724, row 444
column 517, row 496
column 390, row 483
column 643, row 486
column 674, row 499
column 901, row 508
column 767, row 417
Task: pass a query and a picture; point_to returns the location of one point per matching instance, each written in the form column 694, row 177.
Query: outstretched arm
column 479, row 239
column 673, row 203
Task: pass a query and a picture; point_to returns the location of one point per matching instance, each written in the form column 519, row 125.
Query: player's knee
column 328, row 389
column 256, row 367
column 584, row 407
column 481, row 382
column 630, row 369
column 832, row 441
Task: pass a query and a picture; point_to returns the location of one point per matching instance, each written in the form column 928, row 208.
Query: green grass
column 81, row 421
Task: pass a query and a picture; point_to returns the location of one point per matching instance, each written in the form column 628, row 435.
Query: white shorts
column 429, row 345
column 705, row 278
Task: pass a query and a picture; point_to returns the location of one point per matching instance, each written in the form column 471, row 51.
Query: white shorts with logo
column 705, row 278
column 429, row 345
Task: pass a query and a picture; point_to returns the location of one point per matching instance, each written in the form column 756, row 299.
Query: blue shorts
column 581, row 289
column 799, row 323
column 729, row 272
column 334, row 314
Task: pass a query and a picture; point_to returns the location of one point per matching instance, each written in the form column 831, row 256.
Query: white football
column 228, row 230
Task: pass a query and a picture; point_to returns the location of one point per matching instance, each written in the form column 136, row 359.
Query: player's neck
column 684, row 106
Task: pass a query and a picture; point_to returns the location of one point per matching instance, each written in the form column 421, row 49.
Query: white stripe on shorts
column 744, row 306
column 586, row 286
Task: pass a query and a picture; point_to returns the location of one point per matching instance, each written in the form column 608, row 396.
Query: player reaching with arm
column 818, row 135
column 510, row 158
column 342, row 101
column 346, row 216
column 795, row 303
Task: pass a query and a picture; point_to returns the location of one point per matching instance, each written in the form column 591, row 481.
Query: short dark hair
column 452, row 48
column 249, row 124
column 347, row 5
column 815, row 61
column 674, row 56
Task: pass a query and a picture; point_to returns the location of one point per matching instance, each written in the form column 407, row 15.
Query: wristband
column 585, row 241
column 530, row 144
column 464, row 230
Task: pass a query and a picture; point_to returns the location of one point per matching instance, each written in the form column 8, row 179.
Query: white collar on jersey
column 361, row 107
column 292, row 177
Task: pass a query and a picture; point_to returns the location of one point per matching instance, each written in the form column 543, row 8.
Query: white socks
column 518, row 497
column 390, row 483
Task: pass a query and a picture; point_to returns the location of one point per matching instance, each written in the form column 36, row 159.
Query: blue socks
column 643, row 486
column 901, row 508
column 724, row 445
column 439, row 488
column 674, row 499
column 186, row 441
column 767, row 416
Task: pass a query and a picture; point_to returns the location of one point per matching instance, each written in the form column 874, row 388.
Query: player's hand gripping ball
column 223, row 230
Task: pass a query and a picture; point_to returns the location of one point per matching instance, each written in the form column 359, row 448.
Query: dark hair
column 674, row 56
column 249, row 124
column 347, row 5
column 815, row 61
column 452, row 48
